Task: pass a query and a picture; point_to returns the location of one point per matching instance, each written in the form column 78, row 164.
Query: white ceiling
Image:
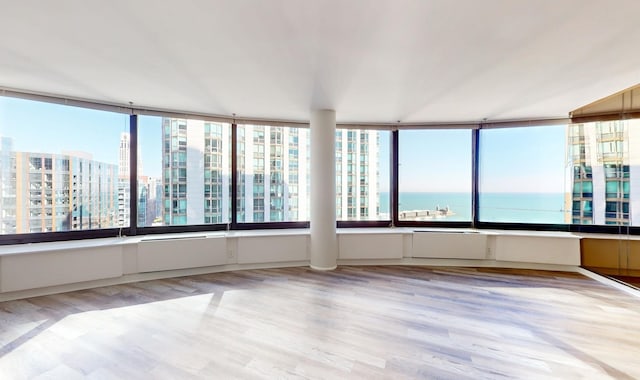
column 370, row 60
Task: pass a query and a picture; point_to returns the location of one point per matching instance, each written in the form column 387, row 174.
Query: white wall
column 49, row 268
column 168, row 254
column 370, row 246
column 449, row 245
column 547, row 249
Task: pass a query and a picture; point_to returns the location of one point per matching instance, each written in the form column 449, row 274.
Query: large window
column 362, row 175
column 59, row 168
column 184, row 168
column 67, row 168
column 274, row 178
column 605, row 179
column 523, row 176
column 273, row 174
column 435, row 175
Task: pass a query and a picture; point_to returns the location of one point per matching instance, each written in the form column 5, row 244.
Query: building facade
column 149, row 201
column 357, row 174
column 273, row 173
column 7, row 187
column 44, row 192
column 604, row 174
column 124, row 186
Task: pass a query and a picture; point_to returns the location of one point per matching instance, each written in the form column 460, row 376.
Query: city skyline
column 96, row 131
column 273, row 173
column 48, row 192
column 67, row 130
column 434, row 161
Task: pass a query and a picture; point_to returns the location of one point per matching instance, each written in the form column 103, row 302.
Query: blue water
column 494, row 207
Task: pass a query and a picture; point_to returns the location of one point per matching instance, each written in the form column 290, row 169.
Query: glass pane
column 577, row 189
column 610, row 149
column 59, row 168
column 273, row 174
column 522, row 176
column 612, row 189
column 362, row 175
column 184, row 172
column 626, row 188
column 435, row 175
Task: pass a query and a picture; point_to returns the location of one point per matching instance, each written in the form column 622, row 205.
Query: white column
column 324, row 241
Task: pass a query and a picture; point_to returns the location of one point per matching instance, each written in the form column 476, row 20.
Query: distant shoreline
column 494, row 207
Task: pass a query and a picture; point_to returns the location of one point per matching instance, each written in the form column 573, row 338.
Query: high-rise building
column 357, row 174
column 199, row 153
column 45, row 192
column 273, row 173
column 124, row 185
column 149, row 201
column 124, row 211
column 154, row 204
column 605, row 176
column 7, row 187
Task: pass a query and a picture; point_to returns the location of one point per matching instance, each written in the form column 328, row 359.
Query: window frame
column 133, row 229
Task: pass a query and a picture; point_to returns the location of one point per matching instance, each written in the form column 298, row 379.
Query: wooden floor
column 355, row 322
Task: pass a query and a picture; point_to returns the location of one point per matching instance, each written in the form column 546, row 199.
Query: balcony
column 611, row 156
column 612, row 136
column 576, row 140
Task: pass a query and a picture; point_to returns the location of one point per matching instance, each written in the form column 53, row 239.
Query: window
column 273, row 174
column 362, row 175
column 193, row 188
column 434, row 175
column 59, row 167
column 587, row 189
column 578, row 173
column 612, row 189
column 522, row 175
column 582, row 172
column 611, row 147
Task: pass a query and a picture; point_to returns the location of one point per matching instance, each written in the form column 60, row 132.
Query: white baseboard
column 607, row 281
column 463, row 263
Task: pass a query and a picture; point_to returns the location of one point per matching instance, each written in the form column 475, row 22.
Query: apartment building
column 603, row 159
column 46, row 192
column 273, row 173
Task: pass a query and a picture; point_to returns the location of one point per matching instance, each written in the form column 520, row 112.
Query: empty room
column 321, row 189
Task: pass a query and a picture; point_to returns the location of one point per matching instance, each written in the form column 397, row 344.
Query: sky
column 435, row 160
column 527, row 159
column 523, row 160
column 512, row 160
column 52, row 128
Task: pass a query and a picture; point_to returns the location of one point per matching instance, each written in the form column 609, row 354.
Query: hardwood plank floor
column 365, row 322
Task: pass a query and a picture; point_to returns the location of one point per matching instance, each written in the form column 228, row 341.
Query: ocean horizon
column 494, row 207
